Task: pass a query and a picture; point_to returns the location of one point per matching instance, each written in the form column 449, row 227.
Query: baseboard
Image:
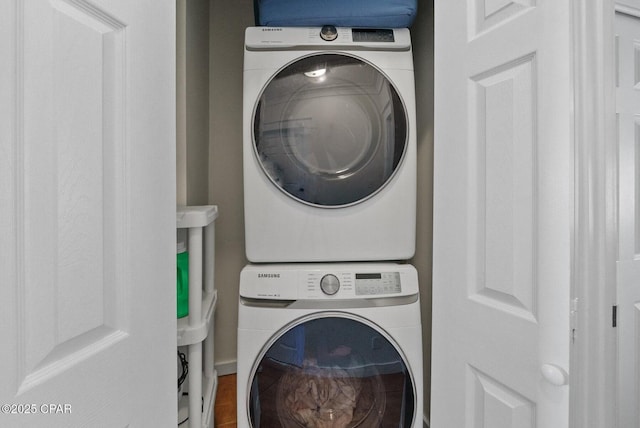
column 425, row 422
column 226, row 367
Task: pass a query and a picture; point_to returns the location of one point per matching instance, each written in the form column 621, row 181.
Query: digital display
column 368, row 276
column 372, row 35
column 372, row 284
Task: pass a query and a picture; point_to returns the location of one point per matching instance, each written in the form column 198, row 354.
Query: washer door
column 330, row 130
column 332, row 372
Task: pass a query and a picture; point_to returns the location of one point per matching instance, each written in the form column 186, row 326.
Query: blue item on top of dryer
column 360, row 13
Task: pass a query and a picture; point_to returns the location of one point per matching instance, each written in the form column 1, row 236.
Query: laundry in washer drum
column 330, row 373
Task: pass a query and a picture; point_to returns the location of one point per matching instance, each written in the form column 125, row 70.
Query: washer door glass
column 331, row 372
column 330, row 130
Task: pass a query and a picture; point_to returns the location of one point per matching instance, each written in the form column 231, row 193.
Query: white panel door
column 502, row 214
column 627, row 29
column 87, row 213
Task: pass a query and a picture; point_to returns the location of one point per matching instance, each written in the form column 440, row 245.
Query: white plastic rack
column 195, row 331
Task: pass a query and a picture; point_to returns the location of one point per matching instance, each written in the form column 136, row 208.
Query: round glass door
column 331, row 372
column 330, row 130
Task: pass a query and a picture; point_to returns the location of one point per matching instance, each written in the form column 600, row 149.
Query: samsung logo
column 272, row 29
column 268, row 275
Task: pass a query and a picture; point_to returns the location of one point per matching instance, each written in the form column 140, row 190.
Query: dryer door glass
column 331, row 372
column 330, row 130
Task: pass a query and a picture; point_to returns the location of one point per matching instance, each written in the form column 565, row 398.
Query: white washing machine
column 329, row 144
column 329, row 345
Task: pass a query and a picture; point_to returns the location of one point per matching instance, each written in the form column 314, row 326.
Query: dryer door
column 330, row 130
column 331, row 371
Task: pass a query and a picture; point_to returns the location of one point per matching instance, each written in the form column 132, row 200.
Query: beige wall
column 422, row 39
column 227, row 23
column 192, row 95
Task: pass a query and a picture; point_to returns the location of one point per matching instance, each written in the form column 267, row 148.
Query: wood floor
column 225, row 406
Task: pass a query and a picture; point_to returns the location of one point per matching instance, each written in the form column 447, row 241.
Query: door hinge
column 574, row 319
column 614, row 316
column 617, row 60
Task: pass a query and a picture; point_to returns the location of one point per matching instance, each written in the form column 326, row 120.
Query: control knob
column 330, row 284
column 329, row 33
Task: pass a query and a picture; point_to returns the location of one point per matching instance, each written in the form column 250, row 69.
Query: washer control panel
column 352, row 284
column 337, row 281
column 373, row 284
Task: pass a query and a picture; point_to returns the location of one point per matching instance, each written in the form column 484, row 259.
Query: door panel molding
column 71, row 196
column 493, row 404
column 503, row 173
column 486, row 14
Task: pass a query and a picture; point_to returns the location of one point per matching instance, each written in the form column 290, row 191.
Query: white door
column 87, row 213
column 627, row 29
column 502, row 214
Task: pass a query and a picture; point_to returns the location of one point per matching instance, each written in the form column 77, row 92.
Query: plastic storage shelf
column 196, row 330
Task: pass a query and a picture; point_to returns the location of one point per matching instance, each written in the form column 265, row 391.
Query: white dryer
column 329, row 345
column 329, row 144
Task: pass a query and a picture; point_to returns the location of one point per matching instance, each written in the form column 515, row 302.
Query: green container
column 182, row 285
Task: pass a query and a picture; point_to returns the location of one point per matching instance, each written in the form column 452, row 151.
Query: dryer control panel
column 284, row 38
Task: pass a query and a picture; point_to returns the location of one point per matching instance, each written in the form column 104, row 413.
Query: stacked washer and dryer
column 329, row 330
